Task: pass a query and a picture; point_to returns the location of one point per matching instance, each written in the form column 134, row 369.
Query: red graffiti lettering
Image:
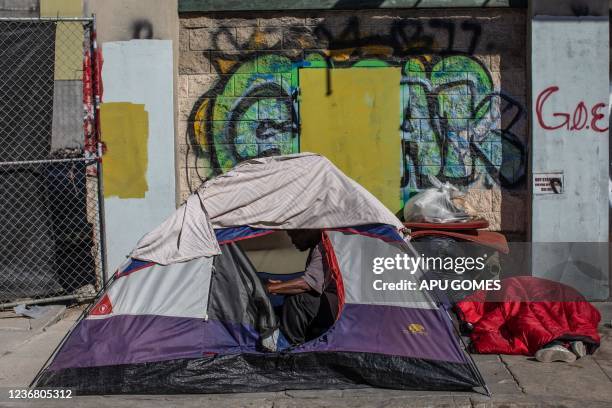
column 597, row 116
column 581, row 116
column 542, row 98
column 577, row 121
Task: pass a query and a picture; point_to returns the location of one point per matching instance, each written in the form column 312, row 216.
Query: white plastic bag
column 34, row 312
column 435, row 204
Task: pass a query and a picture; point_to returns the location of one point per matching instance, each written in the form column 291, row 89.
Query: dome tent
column 187, row 311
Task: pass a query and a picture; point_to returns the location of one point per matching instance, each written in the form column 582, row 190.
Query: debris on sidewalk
column 34, row 311
column 34, row 317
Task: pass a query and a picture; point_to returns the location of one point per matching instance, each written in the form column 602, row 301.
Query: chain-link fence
column 50, row 234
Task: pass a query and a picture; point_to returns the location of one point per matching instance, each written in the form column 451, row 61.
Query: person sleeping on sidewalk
column 531, row 316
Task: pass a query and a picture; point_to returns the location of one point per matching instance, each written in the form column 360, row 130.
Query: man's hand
column 270, row 284
column 290, row 287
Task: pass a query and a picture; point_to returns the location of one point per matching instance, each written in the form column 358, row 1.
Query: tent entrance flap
column 238, row 295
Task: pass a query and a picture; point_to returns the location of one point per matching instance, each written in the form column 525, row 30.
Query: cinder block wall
column 463, row 94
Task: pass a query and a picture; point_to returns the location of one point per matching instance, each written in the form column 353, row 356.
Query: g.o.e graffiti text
column 582, row 118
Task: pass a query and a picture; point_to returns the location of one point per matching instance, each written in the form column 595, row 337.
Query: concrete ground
column 515, row 381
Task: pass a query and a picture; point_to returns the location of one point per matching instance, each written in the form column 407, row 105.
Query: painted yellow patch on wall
column 125, row 132
column 68, row 37
column 61, row 8
column 356, row 126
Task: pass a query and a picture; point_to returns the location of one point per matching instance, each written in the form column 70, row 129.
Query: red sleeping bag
column 512, row 325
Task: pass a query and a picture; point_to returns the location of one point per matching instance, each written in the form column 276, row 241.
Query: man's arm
column 290, row 287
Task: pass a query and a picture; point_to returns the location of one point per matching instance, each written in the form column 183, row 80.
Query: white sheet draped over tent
column 185, row 235
column 281, row 192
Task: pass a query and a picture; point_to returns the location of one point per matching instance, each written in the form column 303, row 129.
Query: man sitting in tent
column 311, row 301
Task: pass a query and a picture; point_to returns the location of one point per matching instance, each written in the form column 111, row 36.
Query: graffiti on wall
column 580, row 118
column 249, row 114
column 455, row 122
column 142, row 29
column 452, row 126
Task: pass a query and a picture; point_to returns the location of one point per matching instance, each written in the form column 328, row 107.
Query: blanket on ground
column 527, row 314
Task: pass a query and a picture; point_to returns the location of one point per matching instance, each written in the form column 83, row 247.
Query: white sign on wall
column 548, row 183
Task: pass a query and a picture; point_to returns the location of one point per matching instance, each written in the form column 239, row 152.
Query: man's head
column 304, row 239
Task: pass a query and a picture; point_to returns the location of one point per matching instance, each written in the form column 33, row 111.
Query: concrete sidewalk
column 515, row 381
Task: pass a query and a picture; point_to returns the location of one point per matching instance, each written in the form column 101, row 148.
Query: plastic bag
column 33, row 312
column 435, row 204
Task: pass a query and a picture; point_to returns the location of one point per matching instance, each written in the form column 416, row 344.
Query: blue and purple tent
column 187, row 312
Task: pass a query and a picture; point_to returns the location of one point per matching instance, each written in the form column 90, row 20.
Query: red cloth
column 512, row 325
